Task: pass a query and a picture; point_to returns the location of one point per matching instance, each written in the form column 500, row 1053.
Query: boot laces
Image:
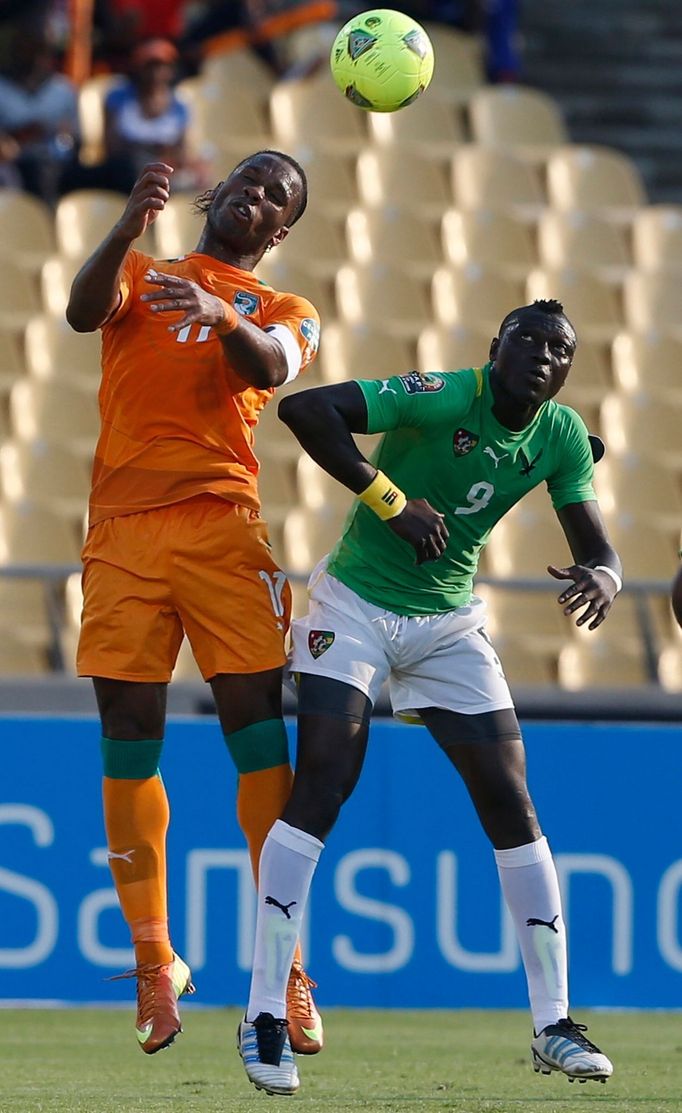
column 298, row 994
column 575, row 1032
column 147, row 975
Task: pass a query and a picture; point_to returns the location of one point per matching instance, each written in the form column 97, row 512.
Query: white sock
column 287, row 864
column 531, row 890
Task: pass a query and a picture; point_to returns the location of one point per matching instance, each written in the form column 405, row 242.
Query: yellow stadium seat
column 54, row 411
column 234, row 71
column 300, row 599
column 381, row 292
column 318, row 491
column 26, row 230
column 646, row 426
column 631, row 484
column 652, row 301
column 54, row 351
column 315, row 242
column 595, row 179
column 670, row 668
column 589, row 380
column 526, row 541
column 648, row 363
column 273, row 439
column 647, row 551
column 24, row 609
column 529, row 617
column 56, row 276
column 486, row 178
column 459, row 68
column 362, row 351
column 208, row 100
column 48, row 474
column 18, row 297
column 582, row 239
column 524, row 120
column 390, row 176
column 473, row 296
column 525, row 664
column 591, row 304
column 657, row 238
column 313, row 113
column 91, row 97
column 17, row 658
column 86, row 216
column 332, row 182
column 11, row 362
column 309, row 536
column 600, row 664
column 490, row 239
column 32, row 535
column 276, row 486
column 296, row 278
column 186, row 668
column 392, row 235
column 441, row 348
column 177, row 229
column 431, row 128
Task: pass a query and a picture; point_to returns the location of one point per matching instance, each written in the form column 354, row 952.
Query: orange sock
column 261, row 798
column 136, row 818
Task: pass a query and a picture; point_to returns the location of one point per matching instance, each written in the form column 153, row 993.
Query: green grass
column 87, row 1061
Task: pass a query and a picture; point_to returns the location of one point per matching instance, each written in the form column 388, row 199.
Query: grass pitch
column 87, row 1061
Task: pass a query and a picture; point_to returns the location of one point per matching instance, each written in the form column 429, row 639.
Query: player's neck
column 507, row 409
column 210, row 245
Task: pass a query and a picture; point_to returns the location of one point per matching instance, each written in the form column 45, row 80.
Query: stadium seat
column 300, row 599
column 54, row 411
column 485, row 178
column 490, row 239
column 208, row 101
column 362, row 351
column 18, row 297
column 441, row 348
column 526, row 541
column 589, row 380
column 295, row 278
column 83, row 219
column 186, row 668
column 595, row 179
column 392, row 235
column 591, row 304
column 646, row 426
column 26, row 230
column 657, row 238
column 639, row 486
column 389, row 176
column 597, row 663
column 385, row 293
column 309, row 536
column 54, row 351
column 33, row 535
column 670, row 668
column 318, row 492
column 430, row 129
column 12, row 365
column 315, row 242
column 56, row 276
column 524, row 120
column 475, row 297
column 24, row 609
column 459, row 69
column 525, row 664
column 652, row 301
column 177, row 229
column 531, row 618
column 273, row 439
column 18, row 658
column 647, row 551
column 91, row 97
column 234, row 71
column 312, row 112
column 48, row 474
column 332, row 182
column 582, row 239
column 276, row 484
column 648, row 363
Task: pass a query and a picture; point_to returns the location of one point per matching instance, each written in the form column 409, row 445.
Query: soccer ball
column 382, row 60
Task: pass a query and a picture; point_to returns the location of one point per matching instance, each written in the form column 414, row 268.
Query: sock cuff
column 259, row 746
column 295, row 839
column 131, row 761
column 527, row 855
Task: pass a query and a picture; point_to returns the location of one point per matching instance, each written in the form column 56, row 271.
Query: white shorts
column 437, row 660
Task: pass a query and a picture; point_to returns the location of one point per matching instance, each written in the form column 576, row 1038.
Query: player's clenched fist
column 423, row 527
column 176, row 294
column 147, row 198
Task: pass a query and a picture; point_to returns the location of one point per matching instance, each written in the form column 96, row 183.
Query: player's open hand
column 423, row 527
column 147, row 199
column 591, row 588
column 174, row 294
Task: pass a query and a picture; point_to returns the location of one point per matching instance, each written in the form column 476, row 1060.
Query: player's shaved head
column 542, row 307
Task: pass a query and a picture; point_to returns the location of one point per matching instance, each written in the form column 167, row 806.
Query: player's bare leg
column 488, row 752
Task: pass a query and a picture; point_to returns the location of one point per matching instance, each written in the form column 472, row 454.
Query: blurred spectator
column 501, row 18
column 38, row 113
column 123, row 24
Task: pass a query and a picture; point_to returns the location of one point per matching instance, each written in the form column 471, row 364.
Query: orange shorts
column 201, row 567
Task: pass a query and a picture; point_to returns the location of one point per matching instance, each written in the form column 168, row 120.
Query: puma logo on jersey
column 488, row 451
column 385, row 388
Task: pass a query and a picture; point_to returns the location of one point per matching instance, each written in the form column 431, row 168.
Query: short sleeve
column 296, row 324
column 572, row 479
column 136, row 264
column 417, row 399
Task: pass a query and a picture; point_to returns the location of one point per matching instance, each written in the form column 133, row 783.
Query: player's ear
column 494, row 345
column 278, row 237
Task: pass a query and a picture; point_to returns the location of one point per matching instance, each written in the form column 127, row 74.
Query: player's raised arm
column 323, row 420
column 96, row 288
column 597, row 573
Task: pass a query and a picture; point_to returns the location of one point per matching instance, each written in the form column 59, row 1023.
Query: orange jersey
column 177, row 421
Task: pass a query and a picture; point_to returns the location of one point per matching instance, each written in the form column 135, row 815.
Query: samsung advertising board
column 405, row 908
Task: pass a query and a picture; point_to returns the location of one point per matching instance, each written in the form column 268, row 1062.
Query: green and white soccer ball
column 382, row 60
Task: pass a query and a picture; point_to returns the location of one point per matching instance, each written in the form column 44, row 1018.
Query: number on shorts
column 478, row 497
column 275, row 584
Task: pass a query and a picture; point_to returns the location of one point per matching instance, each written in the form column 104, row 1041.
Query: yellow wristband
column 229, row 321
column 383, row 497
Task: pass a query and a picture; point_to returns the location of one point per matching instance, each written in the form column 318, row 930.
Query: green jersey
column 443, row 443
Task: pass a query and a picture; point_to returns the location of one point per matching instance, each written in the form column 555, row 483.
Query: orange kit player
column 192, row 349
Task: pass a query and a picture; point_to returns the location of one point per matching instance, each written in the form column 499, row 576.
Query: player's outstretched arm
column 96, row 288
column 597, row 573
column 323, row 421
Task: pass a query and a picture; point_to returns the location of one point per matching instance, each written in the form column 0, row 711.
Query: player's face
column 533, row 357
column 252, row 208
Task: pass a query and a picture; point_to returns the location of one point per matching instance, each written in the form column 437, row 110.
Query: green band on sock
column 259, row 746
column 131, row 761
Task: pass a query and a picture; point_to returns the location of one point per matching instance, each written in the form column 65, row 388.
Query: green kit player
column 460, row 449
